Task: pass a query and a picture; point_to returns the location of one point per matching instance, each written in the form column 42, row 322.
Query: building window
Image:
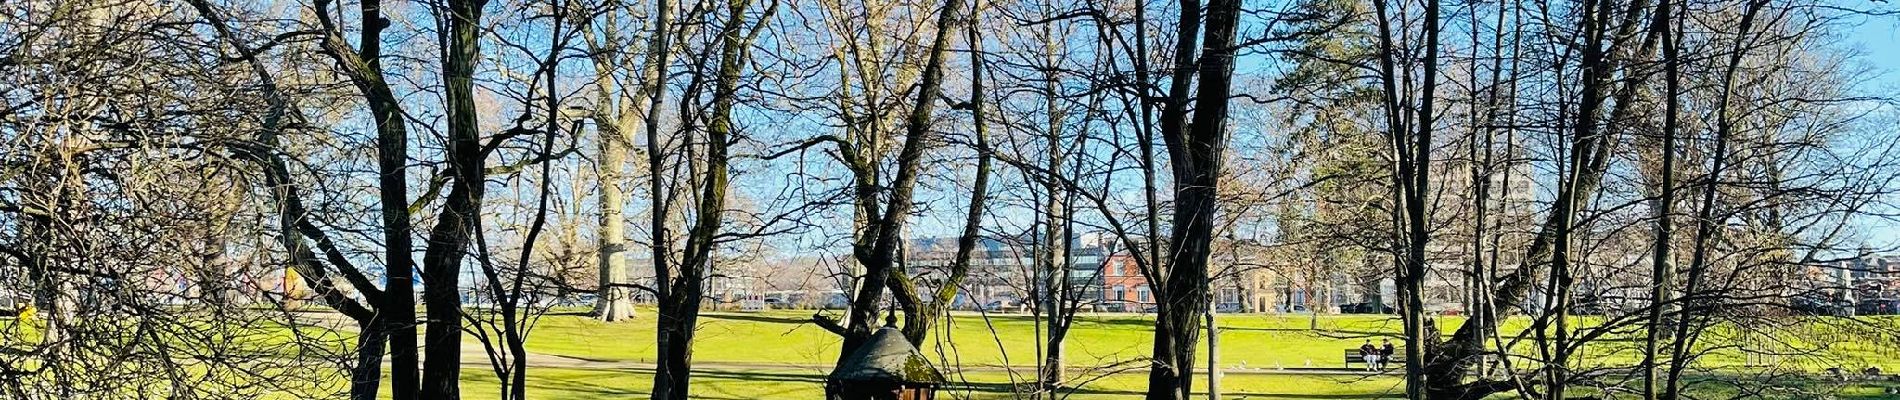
column 1141, row 293
column 1121, row 293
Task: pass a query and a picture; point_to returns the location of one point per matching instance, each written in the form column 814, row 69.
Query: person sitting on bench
column 1385, row 355
column 1371, row 354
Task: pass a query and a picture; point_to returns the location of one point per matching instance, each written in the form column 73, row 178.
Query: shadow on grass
column 596, row 383
column 757, row 318
column 591, row 385
column 1330, row 333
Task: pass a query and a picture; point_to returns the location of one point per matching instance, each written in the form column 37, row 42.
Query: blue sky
column 1878, row 38
column 1878, row 41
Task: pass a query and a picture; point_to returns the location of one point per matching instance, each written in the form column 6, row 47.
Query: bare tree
column 875, row 243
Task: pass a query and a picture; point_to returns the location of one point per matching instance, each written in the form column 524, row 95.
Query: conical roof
column 887, row 359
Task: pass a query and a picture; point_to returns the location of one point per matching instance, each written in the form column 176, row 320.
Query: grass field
column 590, row 384
column 1248, row 340
column 779, row 354
column 1257, row 341
column 730, row 342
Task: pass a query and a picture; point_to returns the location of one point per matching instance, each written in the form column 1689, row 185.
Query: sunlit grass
column 793, row 384
column 779, row 354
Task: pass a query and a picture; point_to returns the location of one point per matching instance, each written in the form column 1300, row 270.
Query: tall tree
column 1196, row 143
column 928, row 311
column 396, row 299
column 618, row 111
column 453, row 231
column 1609, row 44
column 1662, row 271
column 1706, row 223
column 884, row 216
column 1412, row 146
column 680, row 298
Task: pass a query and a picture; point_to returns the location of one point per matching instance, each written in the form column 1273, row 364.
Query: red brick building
column 1123, row 286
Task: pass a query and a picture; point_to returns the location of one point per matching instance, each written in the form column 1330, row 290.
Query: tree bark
column 660, row 249
column 366, row 376
column 1590, row 138
column 1195, row 150
column 917, row 325
column 611, row 300
column 1662, row 270
column 450, row 237
column 1052, row 259
column 679, row 312
column 395, row 302
column 1213, row 350
column 1418, row 216
column 876, row 248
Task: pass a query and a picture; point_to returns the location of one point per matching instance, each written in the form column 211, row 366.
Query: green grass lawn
column 590, row 384
column 1249, row 340
column 731, row 348
column 1258, row 341
column 780, row 384
column 1253, row 341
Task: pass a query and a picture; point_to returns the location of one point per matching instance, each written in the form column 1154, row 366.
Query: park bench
column 1353, row 356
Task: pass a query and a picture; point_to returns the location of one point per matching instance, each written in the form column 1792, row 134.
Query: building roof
column 887, row 358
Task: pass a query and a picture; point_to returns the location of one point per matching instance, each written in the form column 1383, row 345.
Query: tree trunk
column 1213, row 354
column 612, row 301
column 1705, row 222
column 876, row 247
column 1195, row 152
column 1591, row 144
column 397, row 301
column 392, row 158
column 367, row 374
column 1056, row 288
column 1662, row 271
column 916, row 326
column 449, row 238
column 679, row 313
column 1412, row 178
column 614, row 123
column 660, row 239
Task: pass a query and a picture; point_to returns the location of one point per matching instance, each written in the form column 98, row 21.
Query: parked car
column 1366, row 308
column 995, row 306
column 1810, row 305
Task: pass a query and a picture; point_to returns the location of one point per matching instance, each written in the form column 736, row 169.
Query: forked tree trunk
column 875, row 248
column 679, row 312
column 450, row 237
column 1195, row 150
column 921, row 315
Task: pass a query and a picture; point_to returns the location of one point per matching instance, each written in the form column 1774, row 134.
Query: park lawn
column 787, row 337
column 188, row 336
column 1254, row 341
column 590, row 384
column 735, row 384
